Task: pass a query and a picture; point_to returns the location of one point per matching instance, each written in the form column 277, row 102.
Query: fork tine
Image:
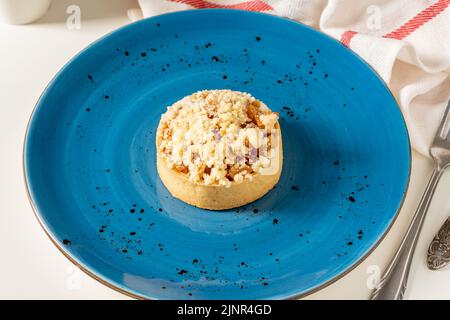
column 444, row 127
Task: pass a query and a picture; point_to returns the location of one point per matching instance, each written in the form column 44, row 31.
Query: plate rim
column 94, row 274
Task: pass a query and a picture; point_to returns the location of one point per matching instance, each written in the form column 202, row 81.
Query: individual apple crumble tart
column 219, row 149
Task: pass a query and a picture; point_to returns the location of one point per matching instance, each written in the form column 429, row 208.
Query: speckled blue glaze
column 90, row 159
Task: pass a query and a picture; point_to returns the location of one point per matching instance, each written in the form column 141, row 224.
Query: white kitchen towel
column 406, row 41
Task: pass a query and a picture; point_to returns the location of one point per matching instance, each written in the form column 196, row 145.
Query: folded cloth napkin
column 406, row 42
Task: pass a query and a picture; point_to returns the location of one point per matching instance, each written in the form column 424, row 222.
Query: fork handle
column 392, row 285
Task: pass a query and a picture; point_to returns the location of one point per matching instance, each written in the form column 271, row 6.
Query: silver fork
column 392, row 285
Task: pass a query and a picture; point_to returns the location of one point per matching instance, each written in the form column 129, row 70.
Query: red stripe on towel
column 347, row 37
column 419, row 20
column 408, row 27
column 254, row 5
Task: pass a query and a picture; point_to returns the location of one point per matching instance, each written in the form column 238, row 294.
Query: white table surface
column 32, row 268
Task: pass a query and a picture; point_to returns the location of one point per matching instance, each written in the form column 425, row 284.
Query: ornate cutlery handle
column 439, row 249
column 393, row 283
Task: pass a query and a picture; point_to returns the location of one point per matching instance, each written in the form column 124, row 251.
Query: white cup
column 22, row 11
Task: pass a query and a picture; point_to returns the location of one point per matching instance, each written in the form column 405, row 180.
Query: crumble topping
column 216, row 137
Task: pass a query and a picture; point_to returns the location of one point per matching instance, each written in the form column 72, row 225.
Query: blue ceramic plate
column 91, row 173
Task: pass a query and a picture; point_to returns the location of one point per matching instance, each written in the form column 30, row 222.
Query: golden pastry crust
column 219, row 149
